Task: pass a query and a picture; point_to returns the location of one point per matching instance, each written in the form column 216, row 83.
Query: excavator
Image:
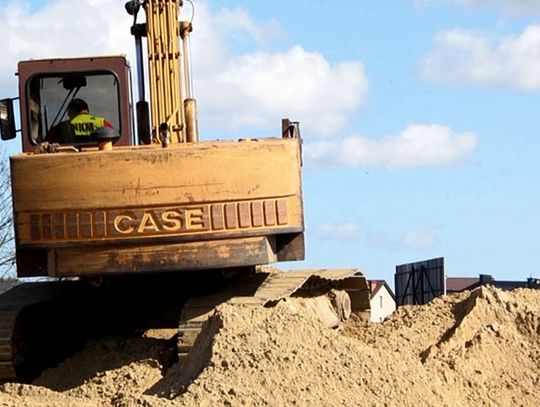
column 140, row 225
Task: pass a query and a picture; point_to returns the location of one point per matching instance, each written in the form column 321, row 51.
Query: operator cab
column 47, row 88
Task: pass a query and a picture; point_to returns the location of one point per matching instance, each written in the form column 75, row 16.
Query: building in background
column 383, row 301
column 419, row 282
column 459, row 284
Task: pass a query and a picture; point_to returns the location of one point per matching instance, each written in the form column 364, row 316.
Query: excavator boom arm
column 172, row 108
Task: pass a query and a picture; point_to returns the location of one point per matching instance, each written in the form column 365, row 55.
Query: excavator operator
column 82, row 121
column 80, row 125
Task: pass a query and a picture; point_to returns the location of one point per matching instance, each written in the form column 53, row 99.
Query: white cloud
column 53, row 31
column 511, row 7
column 421, row 239
column 244, row 90
column 237, row 23
column 462, row 56
column 417, row 146
column 339, row 230
column 256, row 89
column 57, row 30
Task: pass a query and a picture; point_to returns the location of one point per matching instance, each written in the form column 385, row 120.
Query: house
column 458, row 284
column 383, row 301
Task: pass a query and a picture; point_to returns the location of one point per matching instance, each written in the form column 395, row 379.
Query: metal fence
column 419, row 282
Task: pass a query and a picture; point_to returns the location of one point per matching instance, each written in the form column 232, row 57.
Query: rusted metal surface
column 141, row 199
column 92, row 261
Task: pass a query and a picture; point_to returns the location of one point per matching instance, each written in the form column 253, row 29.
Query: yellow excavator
column 137, row 224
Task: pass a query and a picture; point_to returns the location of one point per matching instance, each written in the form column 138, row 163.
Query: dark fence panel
column 419, row 282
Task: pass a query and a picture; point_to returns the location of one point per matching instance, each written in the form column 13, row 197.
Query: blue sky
column 419, row 117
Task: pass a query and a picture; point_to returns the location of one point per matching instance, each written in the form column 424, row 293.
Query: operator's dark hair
column 78, row 105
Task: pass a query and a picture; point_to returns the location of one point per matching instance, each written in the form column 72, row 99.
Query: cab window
column 51, row 95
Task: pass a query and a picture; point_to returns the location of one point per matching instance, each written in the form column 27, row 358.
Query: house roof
column 455, row 284
column 376, row 285
column 506, row 285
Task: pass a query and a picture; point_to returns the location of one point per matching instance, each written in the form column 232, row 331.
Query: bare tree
column 7, row 239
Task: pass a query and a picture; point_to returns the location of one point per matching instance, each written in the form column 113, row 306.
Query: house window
column 381, row 301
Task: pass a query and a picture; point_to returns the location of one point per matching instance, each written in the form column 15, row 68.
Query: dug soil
column 476, row 348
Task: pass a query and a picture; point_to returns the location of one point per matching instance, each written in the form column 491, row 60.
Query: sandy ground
column 475, row 349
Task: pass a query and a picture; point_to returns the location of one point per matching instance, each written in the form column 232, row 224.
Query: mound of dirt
column 477, row 348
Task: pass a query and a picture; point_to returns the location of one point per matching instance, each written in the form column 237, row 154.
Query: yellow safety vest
column 84, row 124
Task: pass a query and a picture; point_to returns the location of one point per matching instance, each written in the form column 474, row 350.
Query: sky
column 419, row 118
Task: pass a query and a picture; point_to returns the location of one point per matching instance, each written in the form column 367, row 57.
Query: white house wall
column 382, row 305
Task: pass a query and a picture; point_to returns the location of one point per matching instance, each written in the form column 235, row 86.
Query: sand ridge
column 475, row 348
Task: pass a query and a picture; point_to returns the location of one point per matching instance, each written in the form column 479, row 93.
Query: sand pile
column 478, row 348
